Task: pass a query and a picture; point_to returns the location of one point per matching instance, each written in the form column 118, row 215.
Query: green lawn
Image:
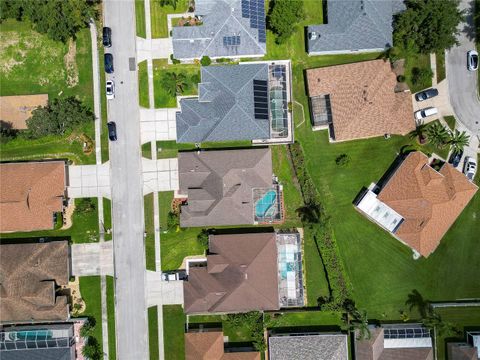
column 313, row 270
column 175, row 246
column 107, row 217
column 159, row 14
column 173, row 332
column 153, row 332
column 91, row 293
column 150, row 232
column 241, row 333
column 165, row 204
column 140, row 18
column 164, row 99
column 306, row 318
column 143, row 84
column 413, row 61
column 450, row 121
column 112, row 350
column 440, row 62
column 104, row 129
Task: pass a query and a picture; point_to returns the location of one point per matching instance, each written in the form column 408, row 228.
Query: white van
column 420, row 114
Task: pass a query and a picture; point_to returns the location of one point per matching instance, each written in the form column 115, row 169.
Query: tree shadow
column 470, row 21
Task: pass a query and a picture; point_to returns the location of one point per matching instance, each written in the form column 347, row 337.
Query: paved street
column 463, row 83
column 127, row 187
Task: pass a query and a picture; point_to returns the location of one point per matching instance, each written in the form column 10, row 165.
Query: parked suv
column 112, row 130
column 455, row 158
column 420, row 114
column 108, row 62
column 472, row 60
column 426, row 94
column 470, row 168
column 107, row 37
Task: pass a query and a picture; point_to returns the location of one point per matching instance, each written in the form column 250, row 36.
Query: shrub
column 195, row 79
column 85, row 205
column 205, row 61
column 401, row 78
column 342, row 160
column 7, row 132
column 174, row 61
column 88, row 327
column 284, row 17
column 202, row 238
column 421, row 76
column 172, row 220
column 91, row 349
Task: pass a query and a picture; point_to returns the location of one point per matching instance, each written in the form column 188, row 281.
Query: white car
column 420, row 114
column 472, row 60
column 470, row 167
column 110, row 87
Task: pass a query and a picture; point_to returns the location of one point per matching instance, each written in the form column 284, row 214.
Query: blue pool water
column 285, row 268
column 34, row 334
column 265, row 203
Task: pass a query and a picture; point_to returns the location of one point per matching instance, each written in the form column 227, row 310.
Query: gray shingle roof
column 220, row 18
column 224, row 109
column 308, row 347
column 219, row 185
column 355, row 25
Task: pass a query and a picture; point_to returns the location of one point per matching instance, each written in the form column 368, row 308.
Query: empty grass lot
column 140, row 18
column 158, row 14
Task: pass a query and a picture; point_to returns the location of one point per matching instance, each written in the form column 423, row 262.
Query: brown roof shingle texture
column 429, row 201
column 28, row 275
column 29, row 195
column 241, row 276
column 219, row 185
column 209, row 346
column 363, row 101
column 461, row 351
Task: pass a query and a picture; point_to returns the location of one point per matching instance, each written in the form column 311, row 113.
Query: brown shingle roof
column 241, row 276
column 209, row 346
column 363, row 101
column 29, row 195
column 28, row 276
column 429, row 201
column 461, row 351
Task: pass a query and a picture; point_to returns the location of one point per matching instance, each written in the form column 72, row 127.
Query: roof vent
column 313, row 35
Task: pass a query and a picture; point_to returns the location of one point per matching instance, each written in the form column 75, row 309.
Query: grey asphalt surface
column 461, row 82
column 127, row 186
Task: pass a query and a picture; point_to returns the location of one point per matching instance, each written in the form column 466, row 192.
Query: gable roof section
column 363, row 101
column 429, row 201
column 30, row 193
column 219, row 185
column 247, row 281
column 461, row 351
column 355, row 25
column 224, row 109
column 29, row 274
column 221, row 18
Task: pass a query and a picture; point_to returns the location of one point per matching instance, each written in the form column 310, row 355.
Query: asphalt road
column 126, row 183
column 461, row 82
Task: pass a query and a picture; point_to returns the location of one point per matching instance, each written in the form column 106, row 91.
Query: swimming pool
column 265, row 203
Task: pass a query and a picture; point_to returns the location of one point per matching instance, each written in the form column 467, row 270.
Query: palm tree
column 419, row 132
column 438, row 135
column 415, row 299
column 173, row 3
column 309, row 213
column 458, row 140
column 174, row 83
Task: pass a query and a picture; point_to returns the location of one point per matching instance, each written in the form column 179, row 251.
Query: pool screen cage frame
column 278, row 100
column 258, row 194
column 39, row 341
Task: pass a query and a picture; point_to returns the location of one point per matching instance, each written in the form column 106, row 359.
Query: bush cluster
column 252, row 320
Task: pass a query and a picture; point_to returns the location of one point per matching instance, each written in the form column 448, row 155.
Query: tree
column 7, row 132
column 58, row 117
column 174, row 83
column 205, row 60
column 60, row 20
column 458, row 140
column 430, row 24
column 284, row 17
column 421, row 75
column 310, row 213
column 172, row 220
column 419, row 132
column 438, row 135
column 202, row 238
column 91, row 349
column 342, row 160
column 88, row 327
column 172, row 3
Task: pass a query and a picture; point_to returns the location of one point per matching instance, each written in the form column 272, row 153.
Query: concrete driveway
column 163, row 292
column 160, row 175
column 92, row 259
column 154, row 48
column 88, row 181
column 158, row 124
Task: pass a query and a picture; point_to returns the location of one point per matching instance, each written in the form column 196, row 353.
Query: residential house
column 354, row 26
column 210, row 345
column 396, row 342
column 30, row 195
column 229, row 29
column 31, row 275
column 359, row 100
column 228, row 187
column 248, row 101
column 418, row 204
column 468, row 350
column 308, row 346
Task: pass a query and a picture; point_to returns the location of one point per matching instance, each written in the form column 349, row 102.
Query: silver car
column 470, row 168
column 472, row 60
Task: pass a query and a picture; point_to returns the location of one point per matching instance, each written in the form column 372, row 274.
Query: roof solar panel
column 245, row 9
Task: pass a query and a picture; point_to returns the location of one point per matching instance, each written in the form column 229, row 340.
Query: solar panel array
column 231, row 40
column 255, row 11
column 260, row 99
column 406, row 333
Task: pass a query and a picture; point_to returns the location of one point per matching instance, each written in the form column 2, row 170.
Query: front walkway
column 158, row 124
column 91, row 259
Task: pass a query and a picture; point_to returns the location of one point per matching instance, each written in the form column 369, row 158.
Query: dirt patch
column 17, row 109
column 78, row 305
column 9, row 40
column 71, row 64
column 67, row 215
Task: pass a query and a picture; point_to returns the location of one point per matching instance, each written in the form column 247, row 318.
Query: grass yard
column 239, row 334
column 107, row 217
column 173, row 332
column 140, row 18
column 175, row 246
column 153, row 332
column 450, row 120
column 420, row 61
column 112, row 350
column 440, row 63
column 162, row 98
column 165, row 204
column 143, row 85
column 158, row 15
column 91, row 293
column 305, row 319
column 150, row 232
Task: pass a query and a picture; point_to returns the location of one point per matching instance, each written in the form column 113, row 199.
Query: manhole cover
column 132, row 64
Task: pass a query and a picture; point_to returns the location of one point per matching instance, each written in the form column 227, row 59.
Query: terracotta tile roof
column 429, row 201
column 29, row 195
column 363, row 101
column 210, row 346
column 29, row 274
column 241, row 276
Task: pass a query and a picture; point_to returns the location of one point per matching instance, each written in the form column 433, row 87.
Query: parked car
column 112, row 130
column 420, row 114
column 174, row 275
column 110, row 88
column 455, row 158
column 107, row 37
column 426, row 94
column 470, row 167
column 472, row 60
column 108, row 62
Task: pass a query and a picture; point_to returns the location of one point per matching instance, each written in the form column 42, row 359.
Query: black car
column 107, row 37
column 455, row 158
column 426, row 94
column 112, row 131
column 108, row 60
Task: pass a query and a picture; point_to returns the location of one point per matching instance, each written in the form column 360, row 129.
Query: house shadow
column 33, row 240
column 246, row 230
column 304, row 329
